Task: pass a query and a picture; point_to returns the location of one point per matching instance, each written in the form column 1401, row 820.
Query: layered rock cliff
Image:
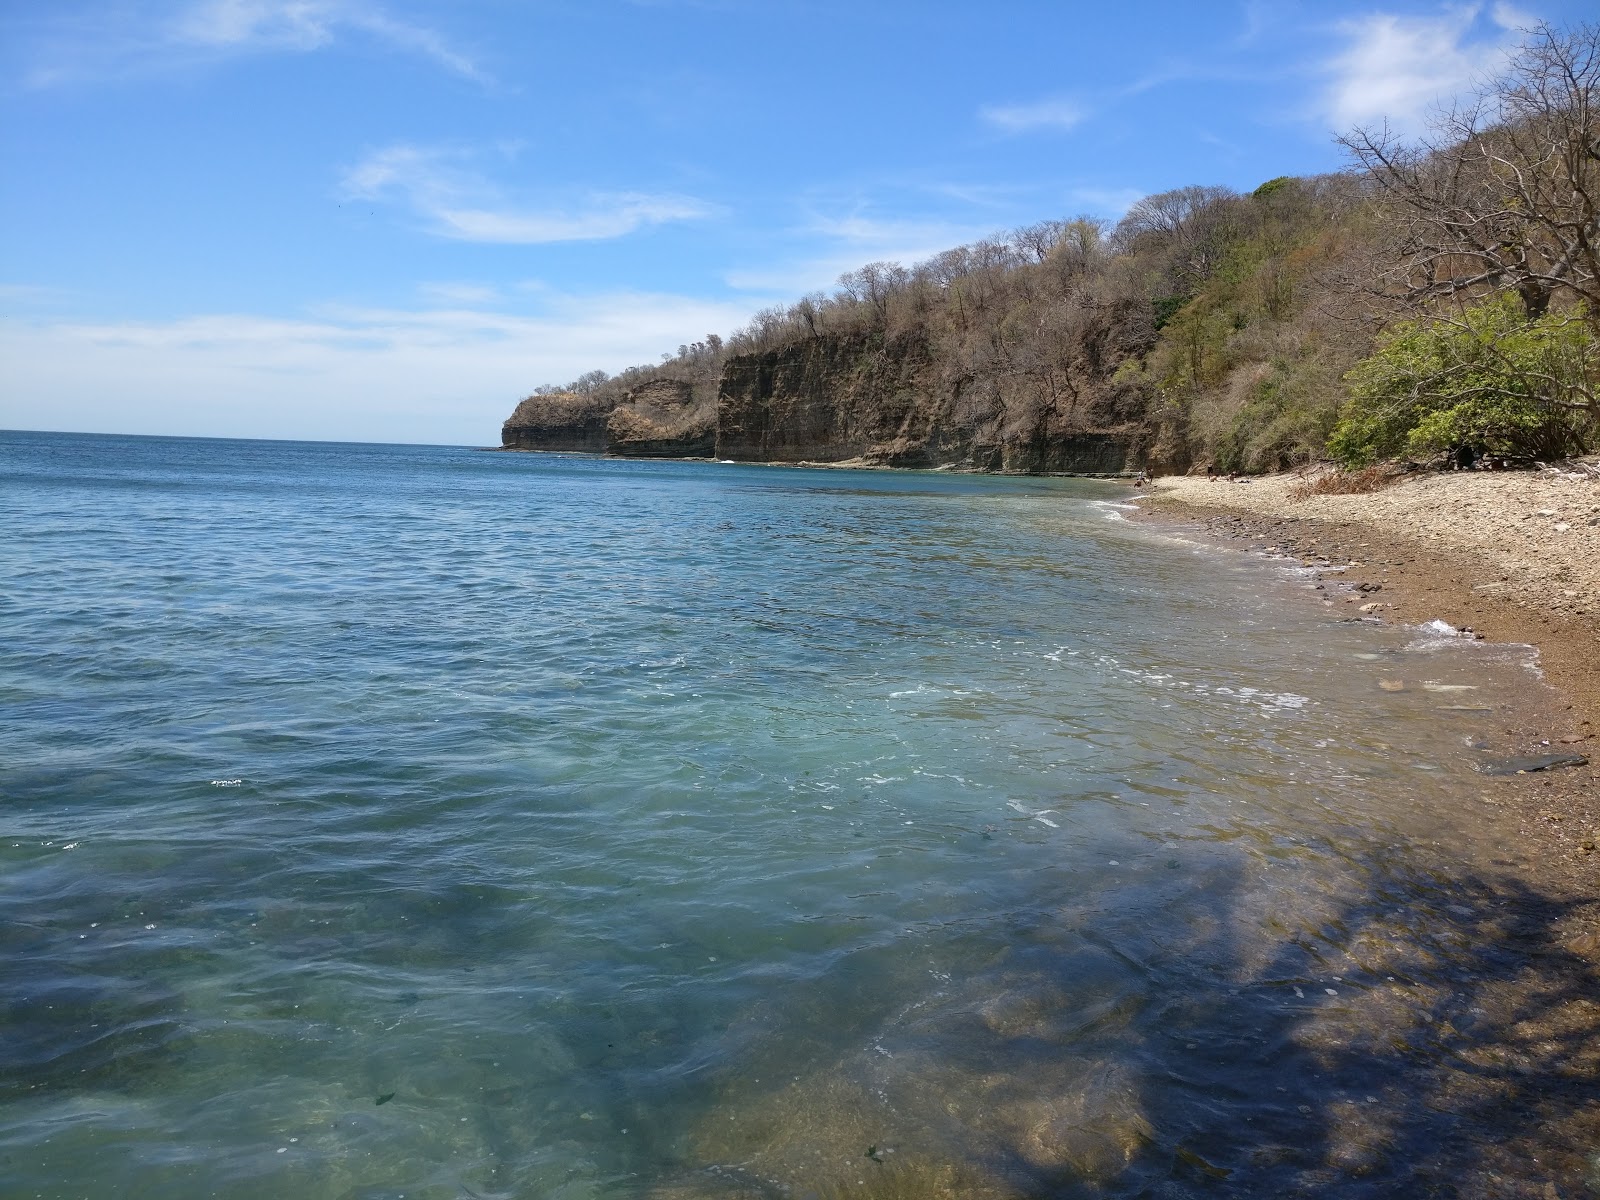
column 558, row 421
column 851, row 397
column 663, row 418
column 886, row 402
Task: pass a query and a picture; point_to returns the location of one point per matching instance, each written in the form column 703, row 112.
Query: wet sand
column 1475, row 551
column 1516, row 559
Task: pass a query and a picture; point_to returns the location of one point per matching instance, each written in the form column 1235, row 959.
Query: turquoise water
column 417, row 821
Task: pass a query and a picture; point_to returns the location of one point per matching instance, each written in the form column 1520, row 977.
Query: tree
column 1193, row 225
column 1491, row 378
column 873, row 284
column 1505, row 191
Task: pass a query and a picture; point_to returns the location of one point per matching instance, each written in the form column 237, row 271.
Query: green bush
column 1488, row 378
column 1283, row 423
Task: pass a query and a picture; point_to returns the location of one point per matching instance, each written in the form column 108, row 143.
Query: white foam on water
column 933, row 689
column 1112, row 510
column 1436, row 636
column 1042, row 815
column 1259, row 698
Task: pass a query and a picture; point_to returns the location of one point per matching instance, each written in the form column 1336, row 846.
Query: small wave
column 227, row 783
column 1042, row 815
column 1261, row 698
column 929, row 689
column 1112, row 510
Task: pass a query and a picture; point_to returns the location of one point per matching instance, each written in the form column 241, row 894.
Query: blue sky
column 389, row 219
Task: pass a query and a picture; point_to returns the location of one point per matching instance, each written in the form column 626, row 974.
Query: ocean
column 401, row 821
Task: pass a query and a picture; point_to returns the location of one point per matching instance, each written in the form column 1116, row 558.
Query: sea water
column 388, row 821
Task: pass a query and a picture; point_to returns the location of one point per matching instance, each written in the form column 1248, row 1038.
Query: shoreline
column 1375, row 559
column 811, row 464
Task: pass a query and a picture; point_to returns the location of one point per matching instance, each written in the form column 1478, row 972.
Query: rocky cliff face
column 859, row 397
column 884, row 402
column 663, row 419
column 557, row 421
column 828, row 399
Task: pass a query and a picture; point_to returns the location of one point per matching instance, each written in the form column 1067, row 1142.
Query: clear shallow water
column 388, row 821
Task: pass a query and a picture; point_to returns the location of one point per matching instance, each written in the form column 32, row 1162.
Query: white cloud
column 607, row 216
column 1105, row 202
column 849, row 242
column 257, row 24
column 1398, row 68
column 1058, row 114
column 457, row 203
column 132, row 41
column 260, row 25
column 445, row 375
column 446, row 292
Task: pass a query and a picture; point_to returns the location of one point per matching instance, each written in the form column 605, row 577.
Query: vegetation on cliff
column 1435, row 295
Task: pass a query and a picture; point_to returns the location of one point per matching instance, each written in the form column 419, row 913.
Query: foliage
column 1489, row 378
column 1344, row 483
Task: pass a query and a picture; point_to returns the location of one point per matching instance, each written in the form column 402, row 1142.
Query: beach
column 1513, row 557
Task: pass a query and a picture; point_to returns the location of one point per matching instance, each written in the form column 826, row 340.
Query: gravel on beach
column 1534, row 539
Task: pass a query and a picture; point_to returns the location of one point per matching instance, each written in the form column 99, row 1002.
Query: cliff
column 558, row 421
column 1207, row 327
column 663, row 418
column 885, row 402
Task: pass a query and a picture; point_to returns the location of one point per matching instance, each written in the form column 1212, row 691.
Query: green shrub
column 1488, row 378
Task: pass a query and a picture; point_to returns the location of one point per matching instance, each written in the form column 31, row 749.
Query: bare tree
column 1036, row 241
column 1505, row 191
column 873, row 284
column 1169, row 213
column 1080, row 244
column 1194, row 224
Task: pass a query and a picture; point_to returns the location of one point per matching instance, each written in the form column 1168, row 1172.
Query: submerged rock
column 1537, row 762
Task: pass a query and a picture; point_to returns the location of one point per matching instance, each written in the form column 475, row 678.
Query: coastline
column 1476, row 552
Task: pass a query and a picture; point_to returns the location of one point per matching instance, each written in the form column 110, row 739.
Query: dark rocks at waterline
column 1537, row 762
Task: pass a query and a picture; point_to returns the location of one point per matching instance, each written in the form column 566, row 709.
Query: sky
column 388, row 220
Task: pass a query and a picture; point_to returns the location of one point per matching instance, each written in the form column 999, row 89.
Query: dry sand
column 1534, row 540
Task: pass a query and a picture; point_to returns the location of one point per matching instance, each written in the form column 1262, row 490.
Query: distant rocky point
column 853, row 397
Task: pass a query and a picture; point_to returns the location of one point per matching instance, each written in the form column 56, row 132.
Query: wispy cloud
column 1105, row 202
column 1398, row 68
column 1056, row 114
column 136, row 40
column 440, row 374
column 457, row 201
column 31, row 296
column 446, row 292
column 840, row 243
